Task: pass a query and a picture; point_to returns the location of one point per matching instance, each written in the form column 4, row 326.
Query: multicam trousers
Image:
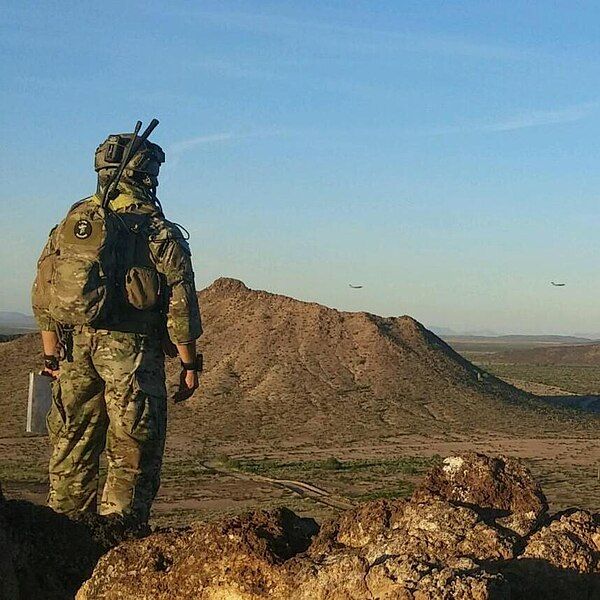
column 111, row 396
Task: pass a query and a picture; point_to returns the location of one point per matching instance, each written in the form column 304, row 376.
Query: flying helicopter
column 355, row 287
column 558, row 284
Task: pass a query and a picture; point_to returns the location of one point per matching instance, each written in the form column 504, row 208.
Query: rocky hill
column 278, row 369
column 277, row 365
column 477, row 528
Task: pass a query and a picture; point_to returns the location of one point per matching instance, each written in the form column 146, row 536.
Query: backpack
column 94, row 272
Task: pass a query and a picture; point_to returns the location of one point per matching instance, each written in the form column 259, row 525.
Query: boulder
column 238, row 558
column 440, row 531
column 360, row 526
column 383, row 549
column 410, row 578
column 340, row 575
column 500, row 489
column 436, row 529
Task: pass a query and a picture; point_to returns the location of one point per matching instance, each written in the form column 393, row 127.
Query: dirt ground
column 567, row 465
column 567, row 468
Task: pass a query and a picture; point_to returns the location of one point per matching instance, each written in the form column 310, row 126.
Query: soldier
column 114, row 291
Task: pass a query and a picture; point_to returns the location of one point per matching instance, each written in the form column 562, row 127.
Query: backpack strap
column 79, row 203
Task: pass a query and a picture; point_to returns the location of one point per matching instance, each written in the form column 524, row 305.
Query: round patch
column 82, row 229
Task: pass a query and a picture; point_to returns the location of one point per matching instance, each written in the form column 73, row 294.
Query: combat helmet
column 143, row 166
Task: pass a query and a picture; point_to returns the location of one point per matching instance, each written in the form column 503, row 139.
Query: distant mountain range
column 12, row 322
column 449, row 332
column 491, row 336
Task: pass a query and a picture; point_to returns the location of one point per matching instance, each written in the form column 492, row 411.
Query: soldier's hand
column 50, row 373
column 188, row 384
column 51, row 366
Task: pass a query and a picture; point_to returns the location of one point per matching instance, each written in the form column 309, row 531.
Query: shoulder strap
column 79, row 203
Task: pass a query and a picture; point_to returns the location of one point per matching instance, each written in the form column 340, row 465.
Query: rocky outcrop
column 561, row 560
column 477, row 528
column 410, row 578
column 570, row 541
column 267, row 555
column 498, row 489
column 47, row 555
column 449, row 541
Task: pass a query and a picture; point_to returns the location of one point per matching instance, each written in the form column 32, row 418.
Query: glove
column 188, row 379
column 51, row 366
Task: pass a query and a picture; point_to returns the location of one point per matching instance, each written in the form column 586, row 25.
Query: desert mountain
column 281, row 370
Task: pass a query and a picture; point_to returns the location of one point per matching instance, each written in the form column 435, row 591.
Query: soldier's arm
column 173, row 260
column 49, row 342
column 41, row 290
column 40, row 296
column 187, row 352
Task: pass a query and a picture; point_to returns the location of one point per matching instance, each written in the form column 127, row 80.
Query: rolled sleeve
column 183, row 317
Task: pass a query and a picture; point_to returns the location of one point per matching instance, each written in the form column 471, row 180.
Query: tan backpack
column 92, row 267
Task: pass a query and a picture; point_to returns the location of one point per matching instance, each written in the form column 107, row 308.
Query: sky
column 442, row 154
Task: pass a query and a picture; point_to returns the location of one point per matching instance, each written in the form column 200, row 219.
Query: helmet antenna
column 132, row 147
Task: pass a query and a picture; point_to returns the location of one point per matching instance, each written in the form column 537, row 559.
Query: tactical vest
column 100, row 272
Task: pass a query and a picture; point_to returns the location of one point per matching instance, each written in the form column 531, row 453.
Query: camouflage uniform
column 112, row 395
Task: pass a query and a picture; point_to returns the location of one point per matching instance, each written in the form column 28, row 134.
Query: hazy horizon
column 440, row 330
column 442, row 155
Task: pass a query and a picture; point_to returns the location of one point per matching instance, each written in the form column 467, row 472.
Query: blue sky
column 443, row 154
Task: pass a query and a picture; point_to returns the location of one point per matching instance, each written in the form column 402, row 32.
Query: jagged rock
column 436, row 529
column 499, row 488
column 570, row 541
column 440, row 530
column 411, row 578
column 443, row 544
column 339, row 575
column 440, row 545
column 235, row 558
column 262, row 555
column 561, row 560
column 362, row 525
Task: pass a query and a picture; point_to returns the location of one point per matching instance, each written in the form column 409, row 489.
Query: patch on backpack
column 82, row 229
